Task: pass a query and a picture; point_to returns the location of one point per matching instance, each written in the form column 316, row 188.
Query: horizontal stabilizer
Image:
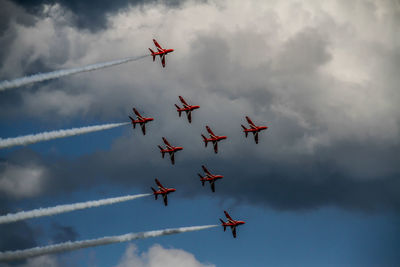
column 178, row 109
column 155, row 195
column 162, row 151
column 223, row 224
column 205, row 140
column 152, row 53
column 133, row 122
column 201, row 179
column 244, row 128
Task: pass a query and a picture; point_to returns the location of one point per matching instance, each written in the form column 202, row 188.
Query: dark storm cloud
column 63, row 233
column 15, row 236
column 87, row 14
column 304, row 183
column 9, row 16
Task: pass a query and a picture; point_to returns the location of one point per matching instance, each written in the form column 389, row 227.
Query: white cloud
column 22, row 181
column 47, row 260
column 159, row 256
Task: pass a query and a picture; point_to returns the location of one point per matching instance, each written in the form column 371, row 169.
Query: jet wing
column 209, row 131
column 160, row 186
column 213, row 186
column 137, row 113
column 165, row 199
column 172, row 158
column 166, row 142
column 234, row 232
column 227, row 216
column 183, row 101
column 163, row 60
column 205, row 170
column 143, row 128
column 215, row 147
column 157, row 44
column 256, row 137
column 250, row 122
column 189, row 116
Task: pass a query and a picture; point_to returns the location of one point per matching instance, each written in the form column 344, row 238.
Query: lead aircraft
column 160, row 52
column 253, row 129
column 171, row 150
column 141, row 120
column 231, row 223
column 186, row 108
column 213, row 138
column 162, row 191
column 209, row 178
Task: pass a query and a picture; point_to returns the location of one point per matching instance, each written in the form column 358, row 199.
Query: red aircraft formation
column 162, row 191
column 161, row 52
column 170, row 149
column 209, row 178
column 186, row 108
column 253, row 129
column 213, row 138
column 231, row 223
column 141, row 120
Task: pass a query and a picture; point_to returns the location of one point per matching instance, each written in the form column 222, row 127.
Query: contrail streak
column 35, row 138
column 67, row 246
column 23, row 215
column 61, row 73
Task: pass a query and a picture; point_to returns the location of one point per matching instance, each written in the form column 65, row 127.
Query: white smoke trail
column 67, row 246
column 23, row 215
column 61, row 73
column 35, row 138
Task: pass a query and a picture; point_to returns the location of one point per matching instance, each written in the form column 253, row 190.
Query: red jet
column 170, row 149
column 231, row 223
column 213, row 138
column 253, row 129
column 209, row 178
column 161, row 52
column 162, row 191
column 187, row 108
column 141, row 120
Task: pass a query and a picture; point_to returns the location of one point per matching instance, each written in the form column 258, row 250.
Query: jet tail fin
column 162, row 151
column 155, row 195
column 205, row 140
column 178, row 109
column 244, row 128
column 152, row 53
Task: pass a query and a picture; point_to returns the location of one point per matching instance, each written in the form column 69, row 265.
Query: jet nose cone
column 173, row 189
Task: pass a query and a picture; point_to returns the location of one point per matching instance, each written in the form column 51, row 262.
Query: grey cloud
column 323, row 85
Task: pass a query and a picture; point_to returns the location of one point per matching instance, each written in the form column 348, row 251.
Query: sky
column 320, row 189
